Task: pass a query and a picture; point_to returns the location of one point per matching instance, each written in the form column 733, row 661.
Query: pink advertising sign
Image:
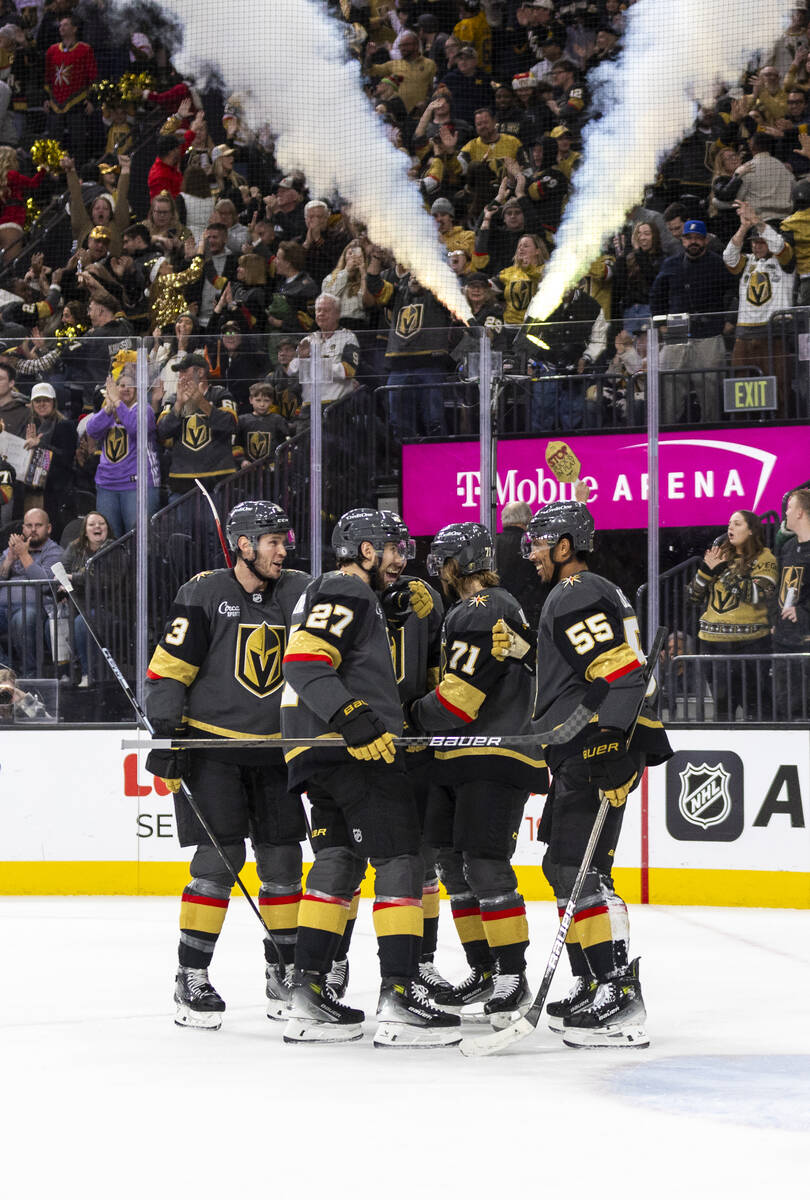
column 704, row 476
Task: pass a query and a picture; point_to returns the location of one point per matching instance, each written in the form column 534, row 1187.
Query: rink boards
column 724, row 823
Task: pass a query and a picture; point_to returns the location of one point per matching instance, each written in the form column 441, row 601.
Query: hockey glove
column 610, row 767
column 363, row 732
column 401, row 599
column 168, row 765
column 506, row 643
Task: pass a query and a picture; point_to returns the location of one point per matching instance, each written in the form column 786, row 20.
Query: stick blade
column 494, row 1043
column 61, row 576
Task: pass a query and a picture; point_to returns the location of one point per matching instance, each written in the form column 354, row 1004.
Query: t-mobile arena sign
column 703, row 476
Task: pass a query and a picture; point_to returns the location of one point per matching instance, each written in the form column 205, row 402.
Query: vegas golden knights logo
column 520, row 293
column 196, row 432
column 116, row 444
column 259, row 651
column 759, row 288
column 258, row 444
column 791, row 579
column 409, row 320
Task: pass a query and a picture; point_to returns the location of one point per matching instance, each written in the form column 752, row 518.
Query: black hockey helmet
column 469, row 543
column 562, row 518
column 375, row 525
column 801, row 193
column 252, row 518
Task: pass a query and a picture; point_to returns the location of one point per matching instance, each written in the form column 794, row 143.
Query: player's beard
column 376, row 579
column 252, row 563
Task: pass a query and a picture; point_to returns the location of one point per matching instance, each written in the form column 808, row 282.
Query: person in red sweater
column 165, row 174
column 13, row 187
column 70, row 68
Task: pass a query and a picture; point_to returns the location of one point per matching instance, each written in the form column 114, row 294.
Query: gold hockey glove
column 363, row 732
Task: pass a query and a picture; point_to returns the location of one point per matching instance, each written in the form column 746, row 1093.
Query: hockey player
column 340, row 681
column 588, row 630
column 475, row 821
column 217, row 671
column 413, row 611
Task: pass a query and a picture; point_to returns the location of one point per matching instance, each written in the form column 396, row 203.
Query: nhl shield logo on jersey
column 116, row 444
column 705, row 798
column 259, row 651
column 196, row 432
column 409, row 320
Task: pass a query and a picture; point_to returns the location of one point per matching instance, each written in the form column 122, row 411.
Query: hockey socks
column 398, row 925
column 278, row 905
column 202, row 914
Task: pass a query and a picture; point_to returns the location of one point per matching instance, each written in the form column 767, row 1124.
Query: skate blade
column 632, row 1037
column 495, row 1043
column 397, row 1034
column 504, row 1019
column 187, row 1018
column 297, row 1031
column 278, row 1010
column 555, row 1024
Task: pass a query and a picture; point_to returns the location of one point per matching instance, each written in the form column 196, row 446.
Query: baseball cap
column 191, row 360
column 560, row 131
column 694, row 227
column 290, row 181
column 467, row 52
column 220, row 151
column 99, row 231
column 522, row 81
column 231, row 327
column 42, row 389
column 442, row 205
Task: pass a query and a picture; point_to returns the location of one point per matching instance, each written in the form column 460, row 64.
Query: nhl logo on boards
column 705, row 796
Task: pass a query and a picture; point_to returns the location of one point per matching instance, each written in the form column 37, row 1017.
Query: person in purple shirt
column 31, row 554
column 115, row 427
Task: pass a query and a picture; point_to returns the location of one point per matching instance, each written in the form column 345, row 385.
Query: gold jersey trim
column 302, row 642
column 234, row 734
column 488, row 751
column 612, row 660
column 166, row 666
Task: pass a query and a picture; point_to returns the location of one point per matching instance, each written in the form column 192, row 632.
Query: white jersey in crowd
column 765, row 286
column 340, row 353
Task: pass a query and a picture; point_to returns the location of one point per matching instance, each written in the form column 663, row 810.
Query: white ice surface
column 104, row 1097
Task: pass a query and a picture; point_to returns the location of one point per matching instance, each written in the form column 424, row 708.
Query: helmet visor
column 435, row 562
column 535, row 540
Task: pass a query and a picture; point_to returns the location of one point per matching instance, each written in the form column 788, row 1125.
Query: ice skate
column 431, row 979
column 510, row 1000
column 578, row 999
column 616, row 1016
column 408, row 1017
column 199, row 1004
column 337, row 979
column 314, row 1016
column 277, row 990
column 467, row 998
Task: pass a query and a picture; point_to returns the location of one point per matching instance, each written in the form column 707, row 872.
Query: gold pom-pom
column 46, row 152
column 32, row 213
column 70, row 333
column 104, row 91
column 133, row 84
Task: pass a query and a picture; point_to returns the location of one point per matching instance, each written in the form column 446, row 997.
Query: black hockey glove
column 168, row 765
column 610, row 767
column 363, row 732
column 402, row 599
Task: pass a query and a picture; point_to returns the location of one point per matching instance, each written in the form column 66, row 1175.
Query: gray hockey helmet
column 374, row 525
column 469, row 543
column 252, row 518
column 562, row 518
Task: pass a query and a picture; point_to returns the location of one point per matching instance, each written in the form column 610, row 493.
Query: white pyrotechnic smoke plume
column 673, row 57
column 288, row 61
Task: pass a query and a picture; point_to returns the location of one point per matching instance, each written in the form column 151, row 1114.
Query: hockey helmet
column 801, row 193
column 469, row 543
column 252, row 518
column 562, row 518
column 378, row 526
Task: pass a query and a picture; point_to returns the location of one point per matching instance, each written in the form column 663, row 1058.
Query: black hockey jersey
column 220, row 655
column 202, row 445
column 338, row 651
column 416, row 648
column 258, row 437
column 588, row 630
column 794, row 586
column 478, row 695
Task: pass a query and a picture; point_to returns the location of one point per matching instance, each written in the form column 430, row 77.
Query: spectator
column 694, row 282
column 262, row 429
column 234, row 361
column 502, row 224
column 548, row 188
column 200, row 424
column 226, row 212
column 791, row 626
column 568, row 96
column 622, row 395
column 31, row 555
column 452, row 236
column 291, row 307
column 166, row 289
column 766, row 278
column 470, row 87
column 488, row 150
column 196, row 196
column 568, row 159
column 245, row 299
column 115, row 428
column 70, row 68
column 104, row 212
column 165, row 174
column 14, row 411
column 13, row 216
column 164, row 225
column 49, row 430
column 517, row 574
column 767, row 183
column 227, row 184
column 575, row 339
column 325, row 241
column 219, row 269
column 460, row 263
column 167, row 352
column 519, row 281
column 347, row 283
column 110, row 332
column 340, row 353
column 17, row 705
column 734, row 585
column 415, row 71
column 93, row 536
column 726, row 183
column 286, row 383
column 633, row 275
column 285, row 208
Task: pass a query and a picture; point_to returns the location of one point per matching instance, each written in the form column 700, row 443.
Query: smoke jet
column 670, row 65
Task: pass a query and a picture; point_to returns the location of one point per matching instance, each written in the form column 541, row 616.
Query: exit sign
column 750, row 395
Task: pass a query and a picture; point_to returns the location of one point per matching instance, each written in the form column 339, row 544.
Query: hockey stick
column 217, row 522
column 569, row 728
column 493, row 1043
column 60, row 574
